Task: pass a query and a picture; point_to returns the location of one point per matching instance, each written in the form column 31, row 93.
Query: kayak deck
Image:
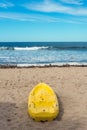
column 42, row 103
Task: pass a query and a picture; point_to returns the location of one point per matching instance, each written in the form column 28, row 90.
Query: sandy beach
column 69, row 83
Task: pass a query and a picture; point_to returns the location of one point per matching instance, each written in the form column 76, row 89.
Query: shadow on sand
column 61, row 109
column 7, row 116
column 14, row 117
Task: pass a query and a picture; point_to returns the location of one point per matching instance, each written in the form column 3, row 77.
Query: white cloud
column 46, row 6
column 49, row 6
column 39, row 18
column 75, row 2
column 16, row 16
column 6, row 4
column 26, row 17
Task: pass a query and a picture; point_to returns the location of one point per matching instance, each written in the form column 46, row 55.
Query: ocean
column 43, row 53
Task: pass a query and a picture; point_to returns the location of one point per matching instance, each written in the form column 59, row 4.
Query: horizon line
column 41, row 41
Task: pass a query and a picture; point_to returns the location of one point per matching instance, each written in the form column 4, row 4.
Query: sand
column 69, row 83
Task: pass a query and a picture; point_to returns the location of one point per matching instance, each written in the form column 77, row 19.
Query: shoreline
column 41, row 66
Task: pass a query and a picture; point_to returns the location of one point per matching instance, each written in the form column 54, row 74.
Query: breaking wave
column 23, row 48
column 44, row 48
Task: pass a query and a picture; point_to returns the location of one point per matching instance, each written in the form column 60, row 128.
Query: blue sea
column 43, row 53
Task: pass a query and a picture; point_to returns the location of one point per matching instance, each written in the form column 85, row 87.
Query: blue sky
column 43, row 20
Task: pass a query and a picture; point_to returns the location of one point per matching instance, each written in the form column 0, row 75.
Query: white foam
column 26, row 65
column 30, row 48
column 52, row 64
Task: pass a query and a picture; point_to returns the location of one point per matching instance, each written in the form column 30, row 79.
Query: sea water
column 43, row 53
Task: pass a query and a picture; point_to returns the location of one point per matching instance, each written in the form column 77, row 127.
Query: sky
column 43, row 20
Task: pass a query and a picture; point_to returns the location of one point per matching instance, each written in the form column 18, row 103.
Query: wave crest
column 43, row 48
column 23, row 48
column 30, row 48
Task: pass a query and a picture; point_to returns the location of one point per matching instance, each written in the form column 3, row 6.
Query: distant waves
column 30, row 48
column 23, row 48
column 44, row 48
column 41, row 54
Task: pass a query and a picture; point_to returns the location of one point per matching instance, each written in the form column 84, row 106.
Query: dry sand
column 70, row 84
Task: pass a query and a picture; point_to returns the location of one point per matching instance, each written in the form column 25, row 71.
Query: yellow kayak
column 43, row 103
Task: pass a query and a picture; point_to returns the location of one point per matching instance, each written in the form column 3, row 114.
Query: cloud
column 56, row 7
column 75, row 2
column 46, row 6
column 26, row 17
column 39, row 18
column 16, row 16
column 6, row 4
